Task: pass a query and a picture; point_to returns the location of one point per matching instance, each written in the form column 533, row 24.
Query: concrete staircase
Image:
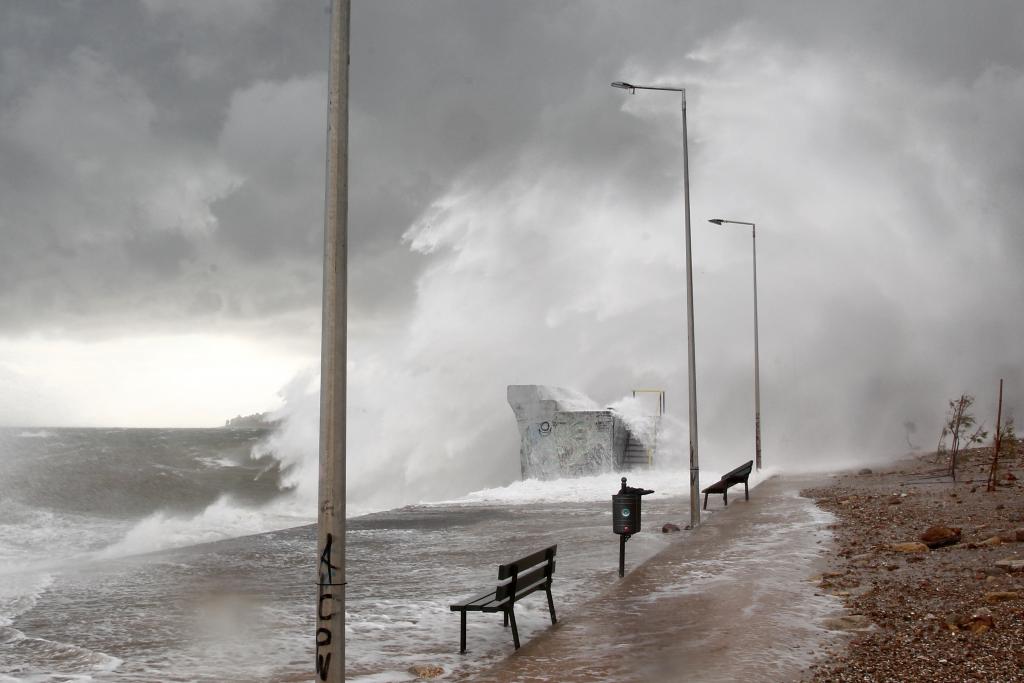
column 636, row 456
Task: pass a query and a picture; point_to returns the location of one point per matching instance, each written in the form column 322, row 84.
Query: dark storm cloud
column 163, row 167
column 439, row 89
column 120, row 142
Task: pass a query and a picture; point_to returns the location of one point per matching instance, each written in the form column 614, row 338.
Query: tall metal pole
column 691, row 363
column 330, row 603
column 757, row 362
column 757, row 365
column 691, row 354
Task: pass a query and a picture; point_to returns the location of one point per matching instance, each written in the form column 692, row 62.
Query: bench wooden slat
column 741, row 471
column 485, row 603
column 523, row 591
column 474, row 604
column 506, row 570
column 524, row 583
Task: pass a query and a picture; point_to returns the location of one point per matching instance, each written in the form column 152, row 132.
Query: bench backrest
column 741, row 472
column 526, row 574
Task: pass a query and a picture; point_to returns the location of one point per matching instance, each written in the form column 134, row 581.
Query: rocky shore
column 930, row 570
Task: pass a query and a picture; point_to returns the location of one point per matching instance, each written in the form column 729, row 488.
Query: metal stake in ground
column 998, row 441
column 622, row 554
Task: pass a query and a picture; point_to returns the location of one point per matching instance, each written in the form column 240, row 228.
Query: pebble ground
column 947, row 614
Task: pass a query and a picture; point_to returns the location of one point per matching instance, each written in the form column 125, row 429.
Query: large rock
column 848, row 622
column 911, row 547
column 979, row 621
column 426, row 670
column 1011, row 565
column 939, row 536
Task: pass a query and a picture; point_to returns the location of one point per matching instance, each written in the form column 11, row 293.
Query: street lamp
column 757, row 371
column 691, row 362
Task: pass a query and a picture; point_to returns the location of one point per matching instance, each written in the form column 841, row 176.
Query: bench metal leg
column 505, row 618
column 515, row 631
column 551, row 606
column 706, row 501
column 725, row 497
column 462, row 635
column 746, row 491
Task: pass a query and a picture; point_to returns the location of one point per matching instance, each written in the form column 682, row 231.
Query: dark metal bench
column 516, row 580
column 737, row 476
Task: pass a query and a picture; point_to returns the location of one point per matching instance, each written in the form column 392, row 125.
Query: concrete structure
column 565, row 434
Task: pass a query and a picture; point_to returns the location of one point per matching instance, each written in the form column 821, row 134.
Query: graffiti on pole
column 325, row 612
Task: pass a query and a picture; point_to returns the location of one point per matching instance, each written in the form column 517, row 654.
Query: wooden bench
column 737, row 476
column 516, row 580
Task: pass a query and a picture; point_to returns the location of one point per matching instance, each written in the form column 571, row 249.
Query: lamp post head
column 625, row 86
column 723, row 221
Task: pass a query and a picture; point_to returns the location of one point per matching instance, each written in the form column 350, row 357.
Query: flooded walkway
column 731, row 601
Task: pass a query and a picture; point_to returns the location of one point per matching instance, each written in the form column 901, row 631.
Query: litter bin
column 626, row 513
column 626, row 517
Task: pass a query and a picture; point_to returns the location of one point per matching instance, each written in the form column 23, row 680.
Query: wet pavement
column 730, row 601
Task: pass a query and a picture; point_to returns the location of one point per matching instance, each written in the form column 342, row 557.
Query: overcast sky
column 513, row 218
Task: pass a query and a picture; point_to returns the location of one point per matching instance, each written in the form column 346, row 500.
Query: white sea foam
column 638, row 416
column 73, row 663
column 39, row 434
column 384, row 677
column 28, row 536
column 213, row 462
column 225, row 518
column 20, row 592
column 665, row 482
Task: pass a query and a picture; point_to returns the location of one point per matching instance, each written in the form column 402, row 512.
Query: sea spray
column 666, row 482
column 223, row 519
column 295, row 440
column 417, row 478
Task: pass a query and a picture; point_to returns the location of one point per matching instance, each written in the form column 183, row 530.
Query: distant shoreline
column 254, row 421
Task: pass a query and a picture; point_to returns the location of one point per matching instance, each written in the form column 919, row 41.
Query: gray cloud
column 120, row 150
column 163, row 170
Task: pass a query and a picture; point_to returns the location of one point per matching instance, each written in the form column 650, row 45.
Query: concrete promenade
column 732, row 601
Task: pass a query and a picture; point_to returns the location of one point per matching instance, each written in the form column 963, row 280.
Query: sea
column 179, row 555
